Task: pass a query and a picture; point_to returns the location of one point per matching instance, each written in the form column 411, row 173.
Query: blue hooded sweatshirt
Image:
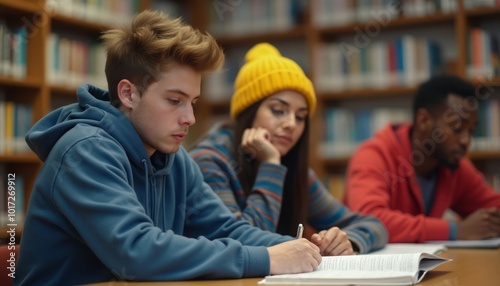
column 102, row 209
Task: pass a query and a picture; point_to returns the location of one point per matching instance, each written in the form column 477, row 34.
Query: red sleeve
column 473, row 190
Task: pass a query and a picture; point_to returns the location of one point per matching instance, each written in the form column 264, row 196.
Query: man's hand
column 333, row 242
column 295, row 256
column 482, row 224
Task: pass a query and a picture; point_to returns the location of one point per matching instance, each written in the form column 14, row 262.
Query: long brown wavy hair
column 294, row 200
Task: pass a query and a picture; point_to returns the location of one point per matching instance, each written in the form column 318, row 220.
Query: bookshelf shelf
column 24, row 157
column 23, row 6
column 336, row 163
column 220, row 106
column 29, row 83
column 397, row 23
column 365, row 93
column 484, row 155
column 65, row 91
column 296, row 32
column 61, row 21
column 482, row 11
column 494, row 81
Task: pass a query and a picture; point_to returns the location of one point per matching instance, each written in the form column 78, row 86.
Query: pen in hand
column 300, row 230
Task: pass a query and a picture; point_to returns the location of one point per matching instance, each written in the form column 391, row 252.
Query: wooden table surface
column 470, row 267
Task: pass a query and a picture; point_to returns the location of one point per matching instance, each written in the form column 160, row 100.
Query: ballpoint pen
column 300, row 230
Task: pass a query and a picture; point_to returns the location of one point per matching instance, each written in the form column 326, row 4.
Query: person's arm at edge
column 263, row 205
column 473, row 192
column 365, row 232
column 292, row 256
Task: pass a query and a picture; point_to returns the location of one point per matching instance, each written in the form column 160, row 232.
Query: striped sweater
column 262, row 207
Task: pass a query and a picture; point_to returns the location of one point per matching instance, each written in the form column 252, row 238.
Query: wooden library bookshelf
column 366, row 59
column 47, row 49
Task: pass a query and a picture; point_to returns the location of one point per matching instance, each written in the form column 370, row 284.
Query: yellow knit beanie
column 265, row 73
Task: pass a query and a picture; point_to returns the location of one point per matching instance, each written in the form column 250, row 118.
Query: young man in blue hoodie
column 118, row 197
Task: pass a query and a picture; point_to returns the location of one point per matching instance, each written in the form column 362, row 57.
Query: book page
column 386, row 262
column 394, row 248
column 384, row 269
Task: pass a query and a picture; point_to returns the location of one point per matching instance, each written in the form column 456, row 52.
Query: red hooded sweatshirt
column 381, row 181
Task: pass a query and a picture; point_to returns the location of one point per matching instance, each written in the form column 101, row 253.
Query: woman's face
column 283, row 115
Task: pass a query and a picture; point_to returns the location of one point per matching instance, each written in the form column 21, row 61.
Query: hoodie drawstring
column 146, row 175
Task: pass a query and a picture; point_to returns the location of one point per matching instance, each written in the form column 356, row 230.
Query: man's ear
column 126, row 93
column 423, row 120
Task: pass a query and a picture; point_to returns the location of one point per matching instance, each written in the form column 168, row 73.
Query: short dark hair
column 434, row 92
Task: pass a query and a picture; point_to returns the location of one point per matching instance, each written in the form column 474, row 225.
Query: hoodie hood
column 395, row 138
column 94, row 109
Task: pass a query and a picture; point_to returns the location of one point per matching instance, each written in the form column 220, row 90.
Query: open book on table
column 382, row 269
column 397, row 248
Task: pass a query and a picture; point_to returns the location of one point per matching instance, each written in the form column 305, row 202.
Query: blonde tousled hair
column 142, row 50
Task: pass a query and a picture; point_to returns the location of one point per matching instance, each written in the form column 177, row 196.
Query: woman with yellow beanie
column 258, row 163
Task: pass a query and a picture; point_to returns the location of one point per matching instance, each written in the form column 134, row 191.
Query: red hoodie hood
column 394, row 139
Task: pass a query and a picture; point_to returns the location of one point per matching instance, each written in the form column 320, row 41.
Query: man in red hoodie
column 409, row 175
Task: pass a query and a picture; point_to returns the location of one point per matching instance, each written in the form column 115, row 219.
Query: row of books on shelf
column 345, row 129
column 335, row 184
column 219, row 85
column 405, row 61
column 481, row 3
column 96, row 11
column 343, row 12
column 257, row 16
column 15, row 121
column 483, row 54
column 13, row 52
column 487, row 133
column 235, row 17
column 71, row 62
column 11, row 198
